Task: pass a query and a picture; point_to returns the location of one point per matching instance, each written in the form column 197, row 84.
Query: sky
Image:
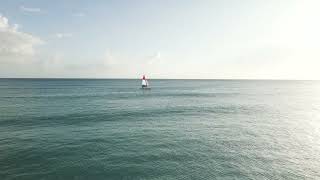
column 188, row 39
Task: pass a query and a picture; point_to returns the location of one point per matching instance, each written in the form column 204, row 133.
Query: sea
column 67, row 129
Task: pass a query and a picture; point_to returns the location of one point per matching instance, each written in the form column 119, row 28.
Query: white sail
column 144, row 82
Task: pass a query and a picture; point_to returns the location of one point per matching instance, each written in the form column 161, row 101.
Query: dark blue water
column 181, row 129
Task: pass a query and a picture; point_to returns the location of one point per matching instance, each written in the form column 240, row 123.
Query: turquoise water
column 181, row 129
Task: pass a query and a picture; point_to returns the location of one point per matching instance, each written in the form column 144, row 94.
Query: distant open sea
column 180, row 129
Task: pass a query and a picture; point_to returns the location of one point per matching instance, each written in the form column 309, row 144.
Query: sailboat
column 144, row 83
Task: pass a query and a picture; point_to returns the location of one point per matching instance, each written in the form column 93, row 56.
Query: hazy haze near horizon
column 163, row 39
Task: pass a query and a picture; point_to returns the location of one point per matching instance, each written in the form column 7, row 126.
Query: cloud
column 14, row 44
column 118, row 64
column 109, row 59
column 63, row 35
column 153, row 59
column 79, row 14
column 30, row 10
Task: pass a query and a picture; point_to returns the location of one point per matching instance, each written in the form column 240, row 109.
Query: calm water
column 181, row 129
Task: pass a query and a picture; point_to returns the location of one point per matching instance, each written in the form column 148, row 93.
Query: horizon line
column 91, row 78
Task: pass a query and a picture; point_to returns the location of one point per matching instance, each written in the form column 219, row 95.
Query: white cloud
column 15, row 44
column 118, row 64
column 79, row 14
column 153, row 59
column 30, row 10
column 3, row 22
column 63, row 35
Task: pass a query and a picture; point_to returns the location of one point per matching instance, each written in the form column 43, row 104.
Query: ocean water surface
column 180, row 129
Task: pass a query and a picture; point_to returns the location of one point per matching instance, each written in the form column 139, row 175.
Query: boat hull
column 146, row 88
